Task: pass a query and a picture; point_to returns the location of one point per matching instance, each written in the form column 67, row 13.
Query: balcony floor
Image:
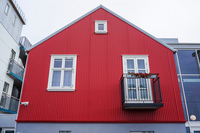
column 152, row 106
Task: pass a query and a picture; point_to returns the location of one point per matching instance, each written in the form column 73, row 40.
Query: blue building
column 187, row 60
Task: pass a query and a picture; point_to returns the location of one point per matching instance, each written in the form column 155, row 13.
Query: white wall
column 7, row 43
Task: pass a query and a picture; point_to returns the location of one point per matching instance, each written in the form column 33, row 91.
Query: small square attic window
column 101, row 27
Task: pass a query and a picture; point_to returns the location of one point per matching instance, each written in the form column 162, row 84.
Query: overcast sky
column 161, row 18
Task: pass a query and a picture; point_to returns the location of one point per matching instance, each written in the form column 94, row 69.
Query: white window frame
column 125, row 71
column 61, row 87
column 104, row 22
column 7, row 9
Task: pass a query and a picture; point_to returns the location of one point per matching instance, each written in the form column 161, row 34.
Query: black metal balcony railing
column 9, row 103
column 15, row 70
column 141, row 92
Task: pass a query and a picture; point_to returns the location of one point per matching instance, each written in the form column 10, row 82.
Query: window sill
column 61, row 89
column 101, row 32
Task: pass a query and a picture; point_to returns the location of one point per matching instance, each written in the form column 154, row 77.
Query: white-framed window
column 62, row 73
column 5, row 87
column 101, row 27
column 13, row 53
column 6, row 9
column 14, row 20
column 138, row 89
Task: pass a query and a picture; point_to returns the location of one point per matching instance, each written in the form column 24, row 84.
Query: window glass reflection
column 140, row 64
column 192, row 93
column 130, row 64
column 182, row 99
column 188, row 61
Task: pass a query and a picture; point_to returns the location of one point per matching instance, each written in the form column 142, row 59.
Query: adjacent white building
column 12, row 62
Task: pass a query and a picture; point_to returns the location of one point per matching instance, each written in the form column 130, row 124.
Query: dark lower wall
column 98, row 128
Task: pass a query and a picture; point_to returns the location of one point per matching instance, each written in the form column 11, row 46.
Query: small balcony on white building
column 16, row 71
column 8, row 104
column 24, row 45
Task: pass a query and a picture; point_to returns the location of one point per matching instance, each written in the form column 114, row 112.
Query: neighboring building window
column 139, row 89
column 141, row 132
column 13, row 53
column 62, row 73
column 4, row 95
column 187, row 61
column 5, row 87
column 64, row 131
column 9, row 131
column 14, row 20
column 101, row 27
column 6, row 9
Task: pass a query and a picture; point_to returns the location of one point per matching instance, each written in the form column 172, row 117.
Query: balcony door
column 138, row 89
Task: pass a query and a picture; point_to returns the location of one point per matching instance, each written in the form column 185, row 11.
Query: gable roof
column 111, row 12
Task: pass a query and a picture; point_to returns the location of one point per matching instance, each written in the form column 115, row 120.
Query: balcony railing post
column 122, row 89
column 159, row 89
column 154, row 91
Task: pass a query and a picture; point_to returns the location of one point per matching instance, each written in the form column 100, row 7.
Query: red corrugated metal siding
column 97, row 97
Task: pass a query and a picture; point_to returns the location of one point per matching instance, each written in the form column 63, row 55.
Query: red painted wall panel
column 97, row 97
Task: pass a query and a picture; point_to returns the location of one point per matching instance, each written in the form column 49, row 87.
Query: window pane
column 140, row 64
column 13, row 53
column 6, row 9
column 130, row 64
column 141, row 132
column 132, row 94
column 57, row 63
column 131, row 83
column 56, row 78
column 192, row 93
column 100, row 26
column 68, row 63
column 182, row 99
column 141, row 71
column 9, row 131
column 67, row 78
column 187, row 130
column 5, row 87
column 198, row 52
column 64, row 131
column 143, row 93
column 188, row 61
column 143, row 83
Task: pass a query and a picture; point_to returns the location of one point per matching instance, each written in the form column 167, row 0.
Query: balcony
column 141, row 92
column 24, row 45
column 15, row 71
column 24, row 42
column 8, row 104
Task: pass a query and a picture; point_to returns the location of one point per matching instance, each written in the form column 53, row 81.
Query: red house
column 101, row 73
